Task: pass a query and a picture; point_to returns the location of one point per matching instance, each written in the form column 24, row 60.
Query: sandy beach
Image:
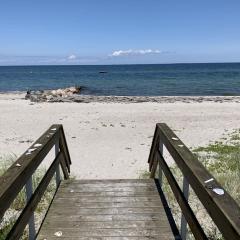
column 109, row 139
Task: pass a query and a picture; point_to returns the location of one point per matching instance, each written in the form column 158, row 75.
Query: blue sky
column 118, row 32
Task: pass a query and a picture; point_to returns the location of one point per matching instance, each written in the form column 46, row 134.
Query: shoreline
column 126, row 99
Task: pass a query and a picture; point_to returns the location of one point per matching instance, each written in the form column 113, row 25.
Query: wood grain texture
column 107, row 209
column 223, row 209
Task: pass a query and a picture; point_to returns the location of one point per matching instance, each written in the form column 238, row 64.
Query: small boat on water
column 103, row 72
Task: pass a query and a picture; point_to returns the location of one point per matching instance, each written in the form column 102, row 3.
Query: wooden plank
column 75, row 232
column 18, row 174
column 108, row 213
column 223, row 209
column 64, row 168
column 106, row 204
column 154, row 166
column 63, row 146
column 106, row 238
column 22, row 220
column 111, row 181
column 113, row 188
column 104, row 218
column 81, row 189
column 61, row 224
column 102, row 211
column 62, row 193
column 72, row 200
column 154, row 147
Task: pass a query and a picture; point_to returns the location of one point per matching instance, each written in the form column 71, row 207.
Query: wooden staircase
column 116, row 209
column 106, row 209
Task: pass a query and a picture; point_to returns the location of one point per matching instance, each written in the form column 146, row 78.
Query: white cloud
column 72, row 57
column 128, row 52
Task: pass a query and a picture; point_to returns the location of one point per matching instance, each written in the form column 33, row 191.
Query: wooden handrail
column 223, row 210
column 21, row 171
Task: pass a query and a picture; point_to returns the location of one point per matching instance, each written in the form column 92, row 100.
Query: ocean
column 206, row 79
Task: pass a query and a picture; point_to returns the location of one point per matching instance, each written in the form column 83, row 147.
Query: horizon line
column 115, row 64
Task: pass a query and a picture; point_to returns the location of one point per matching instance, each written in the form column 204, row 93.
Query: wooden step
column 106, row 209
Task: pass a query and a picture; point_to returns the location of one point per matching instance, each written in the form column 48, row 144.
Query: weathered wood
column 17, row 175
column 64, row 168
column 22, row 220
column 103, row 211
column 222, row 208
column 59, row 224
column 75, row 232
column 224, row 211
column 154, row 146
column 107, row 213
column 138, row 182
column 72, row 199
column 62, row 193
column 64, row 148
column 116, row 182
column 22, row 170
column 62, row 204
column 107, row 185
column 109, row 217
column 107, row 238
column 186, row 209
column 108, row 189
column 153, row 167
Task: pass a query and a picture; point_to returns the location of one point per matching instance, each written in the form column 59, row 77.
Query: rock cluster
column 52, row 95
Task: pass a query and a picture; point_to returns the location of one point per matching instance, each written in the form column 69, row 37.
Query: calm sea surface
column 143, row 80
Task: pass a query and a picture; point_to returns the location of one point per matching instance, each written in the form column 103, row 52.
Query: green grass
column 144, row 174
column 222, row 159
column 4, row 230
column 20, row 201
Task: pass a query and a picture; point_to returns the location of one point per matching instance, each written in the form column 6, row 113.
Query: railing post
column 58, row 176
column 159, row 165
column 183, row 220
column 31, row 223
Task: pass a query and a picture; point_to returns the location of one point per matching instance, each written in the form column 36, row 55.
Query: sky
column 118, row 32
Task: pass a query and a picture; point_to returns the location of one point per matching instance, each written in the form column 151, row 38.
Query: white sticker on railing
column 218, row 191
column 37, row 145
column 58, row 234
column 209, row 180
column 31, row 150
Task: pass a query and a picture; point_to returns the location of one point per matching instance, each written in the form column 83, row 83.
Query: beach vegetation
column 144, row 174
column 222, row 159
column 19, row 203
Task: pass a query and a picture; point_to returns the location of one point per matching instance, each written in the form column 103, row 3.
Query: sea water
column 206, row 79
